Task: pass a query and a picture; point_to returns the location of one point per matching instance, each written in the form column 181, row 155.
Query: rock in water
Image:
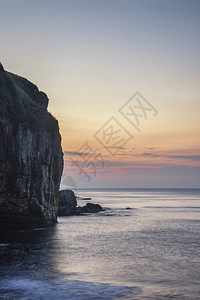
column 67, row 203
column 88, row 208
column 31, row 158
column 92, row 207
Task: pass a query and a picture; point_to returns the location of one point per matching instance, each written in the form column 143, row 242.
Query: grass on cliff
column 56, row 206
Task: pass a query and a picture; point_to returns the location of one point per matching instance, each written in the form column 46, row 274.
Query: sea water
column 149, row 251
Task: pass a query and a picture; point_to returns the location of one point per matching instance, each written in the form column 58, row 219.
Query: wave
column 29, row 289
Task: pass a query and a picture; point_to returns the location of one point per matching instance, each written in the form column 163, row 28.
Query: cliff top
column 1, row 67
column 23, row 100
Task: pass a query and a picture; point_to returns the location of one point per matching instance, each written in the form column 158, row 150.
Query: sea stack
column 31, row 158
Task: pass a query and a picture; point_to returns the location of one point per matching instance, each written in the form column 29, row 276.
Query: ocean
column 149, row 251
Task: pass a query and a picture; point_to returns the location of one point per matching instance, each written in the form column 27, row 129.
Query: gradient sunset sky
column 91, row 57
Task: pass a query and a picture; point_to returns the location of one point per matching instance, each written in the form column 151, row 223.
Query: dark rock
column 26, row 248
column 92, row 208
column 67, row 203
column 80, row 210
column 85, row 198
column 128, row 208
column 88, row 208
column 1, row 68
column 31, row 159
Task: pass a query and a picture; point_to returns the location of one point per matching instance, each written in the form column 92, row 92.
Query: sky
column 122, row 77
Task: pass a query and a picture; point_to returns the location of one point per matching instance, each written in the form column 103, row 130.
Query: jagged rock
column 88, row 208
column 31, row 159
column 67, row 203
column 79, row 198
column 1, row 68
column 92, row 208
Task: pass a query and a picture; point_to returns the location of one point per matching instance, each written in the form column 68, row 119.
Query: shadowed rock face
column 67, row 203
column 31, row 159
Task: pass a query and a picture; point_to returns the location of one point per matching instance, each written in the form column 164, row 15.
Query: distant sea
column 149, row 251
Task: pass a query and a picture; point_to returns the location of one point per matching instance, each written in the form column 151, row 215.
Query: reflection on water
column 148, row 252
column 34, row 265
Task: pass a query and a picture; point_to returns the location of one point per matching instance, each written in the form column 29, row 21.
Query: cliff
column 31, row 158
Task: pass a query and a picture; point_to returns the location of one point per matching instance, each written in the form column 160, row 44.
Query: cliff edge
column 31, row 158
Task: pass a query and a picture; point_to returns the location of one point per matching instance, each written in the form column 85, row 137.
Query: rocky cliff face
column 31, row 159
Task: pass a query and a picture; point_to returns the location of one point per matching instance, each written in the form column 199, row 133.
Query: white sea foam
column 4, row 245
column 28, row 289
column 155, row 249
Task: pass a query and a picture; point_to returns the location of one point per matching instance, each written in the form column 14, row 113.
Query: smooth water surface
column 150, row 251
